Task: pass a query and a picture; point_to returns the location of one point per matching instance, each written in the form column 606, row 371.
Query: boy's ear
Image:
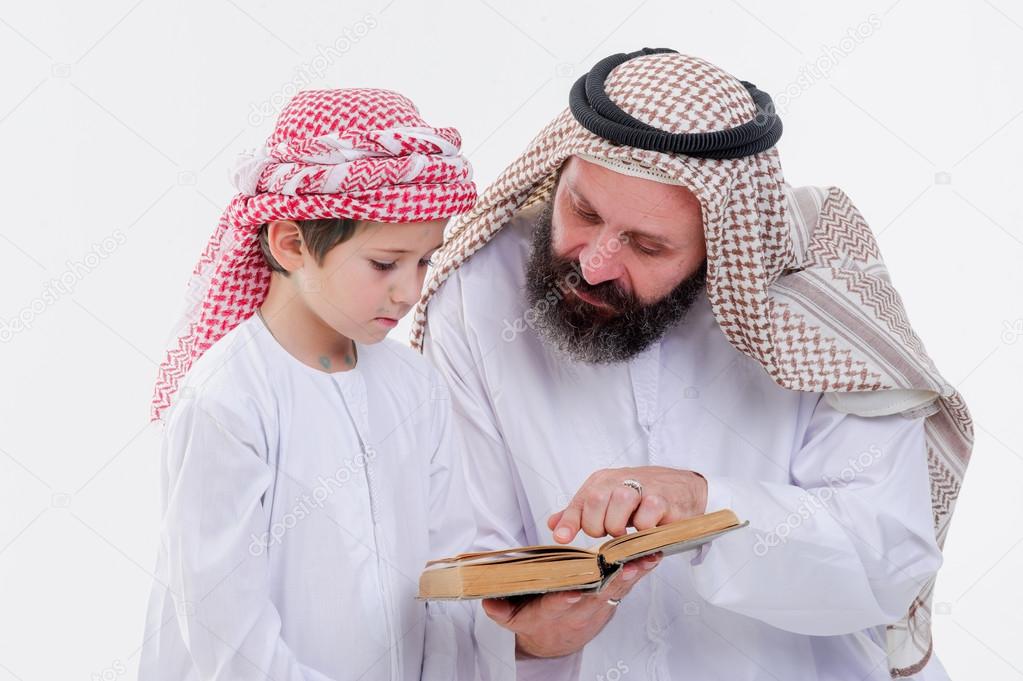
column 285, row 242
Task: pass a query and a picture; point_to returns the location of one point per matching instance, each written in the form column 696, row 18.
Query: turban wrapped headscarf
column 794, row 275
column 364, row 154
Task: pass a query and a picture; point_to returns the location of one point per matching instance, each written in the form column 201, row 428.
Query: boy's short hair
column 320, row 235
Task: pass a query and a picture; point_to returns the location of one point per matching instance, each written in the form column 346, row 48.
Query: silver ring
column 614, row 601
column 634, row 484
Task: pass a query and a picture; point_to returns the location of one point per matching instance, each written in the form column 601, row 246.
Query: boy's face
column 366, row 284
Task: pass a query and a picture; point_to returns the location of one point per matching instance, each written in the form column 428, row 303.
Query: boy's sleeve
column 219, row 581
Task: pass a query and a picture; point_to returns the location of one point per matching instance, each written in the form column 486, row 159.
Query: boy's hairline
column 354, row 225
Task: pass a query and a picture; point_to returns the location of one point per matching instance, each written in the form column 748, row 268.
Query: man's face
column 642, row 235
column 624, row 258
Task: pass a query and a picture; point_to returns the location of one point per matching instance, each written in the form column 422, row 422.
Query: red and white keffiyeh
column 794, row 275
column 355, row 153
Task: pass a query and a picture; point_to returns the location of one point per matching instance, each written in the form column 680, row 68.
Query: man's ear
column 285, row 242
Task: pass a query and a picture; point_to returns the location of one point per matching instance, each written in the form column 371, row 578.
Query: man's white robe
column 840, row 537
column 287, row 550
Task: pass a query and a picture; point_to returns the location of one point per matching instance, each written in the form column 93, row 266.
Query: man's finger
column 594, row 511
column 569, row 523
column 650, row 512
column 552, row 521
column 629, row 575
column 500, row 610
column 554, row 605
column 624, row 502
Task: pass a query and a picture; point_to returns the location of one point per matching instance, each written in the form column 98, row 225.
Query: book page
column 681, row 535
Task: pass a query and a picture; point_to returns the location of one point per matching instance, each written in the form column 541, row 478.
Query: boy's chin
column 372, row 332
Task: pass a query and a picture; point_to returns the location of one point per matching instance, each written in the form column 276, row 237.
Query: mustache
column 567, row 272
column 619, row 328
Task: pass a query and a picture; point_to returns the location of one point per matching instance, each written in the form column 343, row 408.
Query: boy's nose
column 406, row 293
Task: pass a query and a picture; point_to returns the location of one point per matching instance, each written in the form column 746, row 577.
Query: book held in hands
column 542, row 569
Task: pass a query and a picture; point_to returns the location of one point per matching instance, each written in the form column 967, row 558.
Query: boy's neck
column 304, row 335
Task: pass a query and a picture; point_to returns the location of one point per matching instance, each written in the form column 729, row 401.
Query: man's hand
column 604, row 506
column 561, row 623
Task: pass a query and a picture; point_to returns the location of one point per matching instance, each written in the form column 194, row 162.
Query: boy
column 306, row 462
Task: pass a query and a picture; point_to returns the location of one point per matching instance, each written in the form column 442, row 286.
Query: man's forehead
column 605, row 183
column 595, row 170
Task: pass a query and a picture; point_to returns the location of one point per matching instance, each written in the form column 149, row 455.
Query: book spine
column 606, row 568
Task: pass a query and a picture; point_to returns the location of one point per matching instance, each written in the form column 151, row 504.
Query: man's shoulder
column 492, row 279
column 508, row 251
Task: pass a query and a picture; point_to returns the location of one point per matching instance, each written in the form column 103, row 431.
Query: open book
column 541, row 569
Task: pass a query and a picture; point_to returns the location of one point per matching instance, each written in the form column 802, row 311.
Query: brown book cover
column 542, row 569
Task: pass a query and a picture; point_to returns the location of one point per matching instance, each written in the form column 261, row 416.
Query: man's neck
column 302, row 333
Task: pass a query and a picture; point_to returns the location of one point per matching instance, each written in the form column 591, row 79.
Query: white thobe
column 299, row 507
column 840, row 538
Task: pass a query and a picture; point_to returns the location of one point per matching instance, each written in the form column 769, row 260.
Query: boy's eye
column 427, row 262
column 382, row 266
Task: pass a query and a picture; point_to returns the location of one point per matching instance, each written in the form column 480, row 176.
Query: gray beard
column 587, row 333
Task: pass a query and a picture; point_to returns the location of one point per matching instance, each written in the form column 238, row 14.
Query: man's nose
column 600, row 260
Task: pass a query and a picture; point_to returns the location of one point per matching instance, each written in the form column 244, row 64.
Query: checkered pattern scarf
column 354, row 153
column 794, row 275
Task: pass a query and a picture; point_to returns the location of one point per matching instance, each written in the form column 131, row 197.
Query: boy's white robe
column 840, row 537
column 288, row 553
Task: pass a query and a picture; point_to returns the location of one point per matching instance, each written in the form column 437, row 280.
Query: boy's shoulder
column 229, row 380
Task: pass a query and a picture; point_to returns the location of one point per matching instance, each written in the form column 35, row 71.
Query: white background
column 119, row 120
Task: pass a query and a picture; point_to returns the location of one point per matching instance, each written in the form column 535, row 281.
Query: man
column 653, row 325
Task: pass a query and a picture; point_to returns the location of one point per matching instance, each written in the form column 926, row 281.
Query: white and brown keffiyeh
column 794, row 275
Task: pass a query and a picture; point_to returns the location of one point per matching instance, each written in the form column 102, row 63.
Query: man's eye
column 588, row 217
column 382, row 266
column 645, row 250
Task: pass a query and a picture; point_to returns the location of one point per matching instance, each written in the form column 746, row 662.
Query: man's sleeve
column 846, row 546
column 492, row 482
column 449, row 651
